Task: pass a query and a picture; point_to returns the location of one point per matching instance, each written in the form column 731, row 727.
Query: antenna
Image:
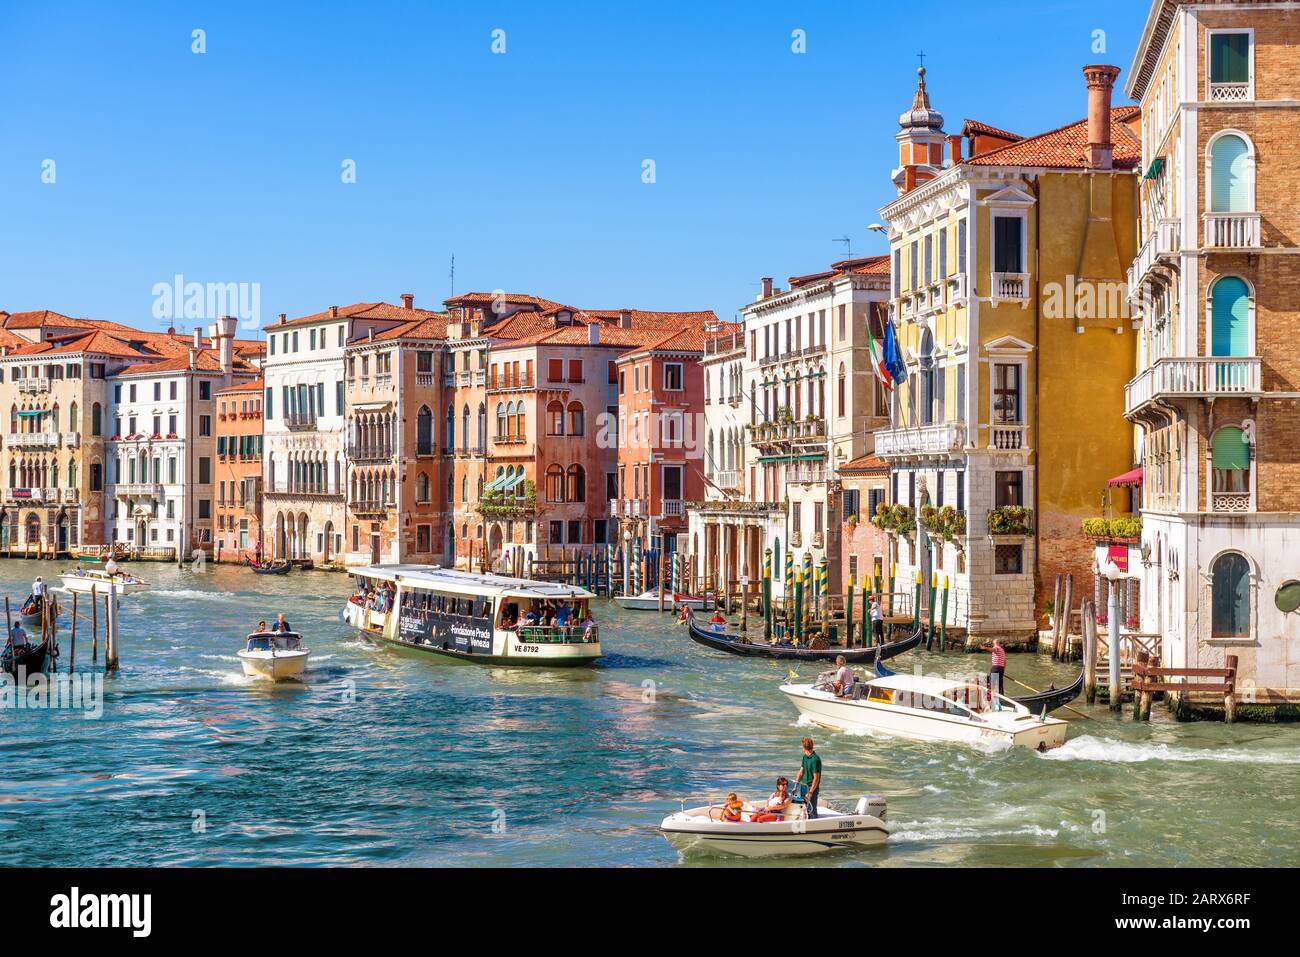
column 848, row 246
column 452, row 276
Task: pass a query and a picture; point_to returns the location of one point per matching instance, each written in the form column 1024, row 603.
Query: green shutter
column 1229, row 176
column 1230, row 450
column 1230, row 58
column 1230, row 318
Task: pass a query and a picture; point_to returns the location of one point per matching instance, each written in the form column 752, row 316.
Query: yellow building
column 1009, row 303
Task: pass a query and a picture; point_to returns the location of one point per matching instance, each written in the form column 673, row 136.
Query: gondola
column 30, row 612
column 32, row 658
column 786, row 652
column 1040, row 702
column 270, row 568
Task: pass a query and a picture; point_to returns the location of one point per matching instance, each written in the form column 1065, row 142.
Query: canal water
column 383, row 758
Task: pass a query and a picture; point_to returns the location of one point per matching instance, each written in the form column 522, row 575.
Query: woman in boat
column 777, row 804
column 685, row 616
column 588, row 626
column 261, row 627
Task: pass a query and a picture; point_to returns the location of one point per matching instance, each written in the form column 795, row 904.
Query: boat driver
column 844, row 678
column 281, row 626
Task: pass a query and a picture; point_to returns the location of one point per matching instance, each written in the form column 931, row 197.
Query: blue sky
column 527, row 165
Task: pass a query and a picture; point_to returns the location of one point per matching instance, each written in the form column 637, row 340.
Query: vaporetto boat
column 702, row 830
column 925, row 708
column 482, row 618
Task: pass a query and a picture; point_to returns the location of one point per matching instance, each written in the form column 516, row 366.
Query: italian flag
column 878, row 366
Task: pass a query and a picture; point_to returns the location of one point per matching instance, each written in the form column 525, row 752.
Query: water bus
column 482, row 618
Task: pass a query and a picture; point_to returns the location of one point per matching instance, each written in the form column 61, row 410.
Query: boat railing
column 577, row 634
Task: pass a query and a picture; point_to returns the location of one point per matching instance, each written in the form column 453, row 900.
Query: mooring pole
column 110, row 642
column 72, row 653
column 767, row 595
column 1112, row 633
column 94, row 625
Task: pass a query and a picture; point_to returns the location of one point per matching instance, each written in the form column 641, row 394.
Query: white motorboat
column 926, row 708
column 649, row 601
column 702, row 830
column 87, row 579
column 277, row 656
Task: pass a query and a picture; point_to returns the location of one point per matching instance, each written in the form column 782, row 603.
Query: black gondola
column 270, row 568
column 32, row 658
column 30, row 611
column 787, row 652
column 1051, row 699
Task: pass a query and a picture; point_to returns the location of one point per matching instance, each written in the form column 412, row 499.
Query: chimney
column 625, row 319
column 283, row 317
column 954, row 150
column 198, row 338
column 334, row 312
column 1101, row 81
column 171, row 330
column 408, row 301
column 194, row 354
column 226, row 342
column 713, row 323
column 593, row 333
column 766, row 283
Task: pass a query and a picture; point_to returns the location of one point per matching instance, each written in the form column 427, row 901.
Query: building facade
column 1217, row 281
column 238, row 472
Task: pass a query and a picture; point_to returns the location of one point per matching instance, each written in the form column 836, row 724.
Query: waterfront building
column 1217, row 280
column 160, row 453
column 1008, row 267
column 395, row 510
column 808, row 403
column 238, row 471
column 865, row 551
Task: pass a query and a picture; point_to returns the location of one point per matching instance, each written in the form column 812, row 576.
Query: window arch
column 577, row 424
column 96, row 419
column 577, row 484
column 502, row 419
column 554, row 483
column 449, row 430
column 1230, row 317
column 1230, row 596
column 840, row 389
column 1232, row 173
column 1230, row 459
column 555, row 418
column 482, row 426
column 464, row 428
column 424, row 431
column 423, row 489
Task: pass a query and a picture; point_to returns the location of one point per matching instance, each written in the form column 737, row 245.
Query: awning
column 814, row 457
column 1128, row 478
column 512, row 481
column 496, row 483
column 33, row 412
column 1154, row 169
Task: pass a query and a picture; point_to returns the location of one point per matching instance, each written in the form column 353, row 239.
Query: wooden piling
column 1062, row 647
column 1230, row 696
column 94, row 625
column 1057, row 612
column 659, row 584
column 72, row 640
column 1089, row 625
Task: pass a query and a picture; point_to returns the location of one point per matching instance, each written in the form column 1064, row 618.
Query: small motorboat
column 278, row 656
column 32, row 609
column 270, row 568
column 926, row 708
column 702, row 830
column 85, row 579
column 649, row 601
column 31, row 658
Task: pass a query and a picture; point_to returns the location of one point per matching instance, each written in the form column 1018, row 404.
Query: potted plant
column 1009, row 520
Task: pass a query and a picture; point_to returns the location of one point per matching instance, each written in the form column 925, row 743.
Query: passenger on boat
column 281, row 626
column 777, row 804
column 877, row 620
column 718, row 622
column 997, row 664
column 685, row 616
column 810, row 776
column 563, row 614
column 530, row 616
column 588, row 626
column 844, row 678
column 261, row 626
column 732, row 808
column 17, row 636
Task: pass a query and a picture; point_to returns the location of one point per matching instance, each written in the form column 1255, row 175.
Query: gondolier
column 997, row 665
column 38, row 588
column 17, row 636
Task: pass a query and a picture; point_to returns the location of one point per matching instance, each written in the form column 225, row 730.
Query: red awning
column 1128, row 478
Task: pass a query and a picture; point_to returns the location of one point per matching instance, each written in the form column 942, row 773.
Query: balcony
column 33, row 440
column 72, row 439
column 368, row 453
column 673, row 508
column 807, row 475
column 720, row 345
column 1230, row 502
column 1229, row 92
column 384, row 381
column 139, row 489
column 1162, row 244
column 370, row 507
column 1012, row 286
column 507, row 384
column 424, row 379
column 1006, row 437
column 1232, row 230
column 923, row 440
column 34, row 385
column 300, row 421
column 729, row 479
column 1191, row 377
column 295, row 490
column 69, row 496
column 782, row 433
column 24, row 496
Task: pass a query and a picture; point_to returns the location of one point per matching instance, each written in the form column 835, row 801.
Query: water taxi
column 702, row 830
column 278, row 656
column 85, row 579
column 649, row 601
column 485, row 618
column 925, row 708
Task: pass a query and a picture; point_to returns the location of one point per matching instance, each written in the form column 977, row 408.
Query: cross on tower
column 922, row 56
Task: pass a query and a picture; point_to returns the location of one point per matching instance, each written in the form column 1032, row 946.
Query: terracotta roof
column 257, row 385
column 858, row 266
column 207, row 360
column 481, row 298
column 1065, row 147
column 975, row 127
column 37, row 318
column 432, row 328
column 93, row 341
column 871, row 266
column 797, row 281
column 865, row 463
column 358, row 310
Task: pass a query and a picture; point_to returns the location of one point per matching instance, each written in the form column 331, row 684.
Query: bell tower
column 920, row 141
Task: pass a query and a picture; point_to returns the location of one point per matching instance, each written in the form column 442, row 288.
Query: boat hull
column 284, row 666
column 650, row 602
column 529, row 655
column 864, row 716
column 85, row 583
column 693, row 833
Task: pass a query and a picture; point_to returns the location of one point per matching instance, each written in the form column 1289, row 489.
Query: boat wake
column 1091, row 748
column 191, row 593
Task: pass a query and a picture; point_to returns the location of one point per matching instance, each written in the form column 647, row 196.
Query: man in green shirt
column 810, row 776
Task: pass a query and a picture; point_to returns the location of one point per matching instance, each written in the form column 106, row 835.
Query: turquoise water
column 384, row 758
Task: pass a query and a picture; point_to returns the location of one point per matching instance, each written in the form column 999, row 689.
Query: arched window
column 501, row 420
column 926, row 409
column 555, row 418
column 451, row 489
column 464, row 489
column 554, row 484
column 1230, row 317
column 519, row 419
column 576, row 423
column 482, row 426
column 449, row 431
column 73, row 424
column 423, row 488
column 577, row 491
column 1230, row 456
column 1230, row 586
column 96, row 420
column 1230, row 175
column 840, row 386
column 464, row 428
column 424, row 431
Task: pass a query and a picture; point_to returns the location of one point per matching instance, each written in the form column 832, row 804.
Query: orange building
column 238, row 472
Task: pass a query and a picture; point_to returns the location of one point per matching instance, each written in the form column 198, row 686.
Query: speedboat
column 278, row 656
column 702, row 830
column 926, row 708
column 649, row 601
column 86, row 579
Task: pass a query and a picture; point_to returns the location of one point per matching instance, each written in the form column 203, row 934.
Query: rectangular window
column 157, row 391
column 1007, row 245
column 205, row 508
column 1006, row 393
column 852, row 501
column 270, row 402
column 961, row 492
column 205, row 470
column 339, row 397
column 673, row 376
column 205, row 390
column 1008, row 489
column 555, row 370
column 898, row 272
column 171, row 390
column 943, row 252
column 916, row 266
column 1229, row 57
column 205, row 425
column 1008, row 559
column 929, row 260
column 575, row 370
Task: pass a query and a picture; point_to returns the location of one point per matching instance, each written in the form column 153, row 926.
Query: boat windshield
column 267, row 641
column 548, row 620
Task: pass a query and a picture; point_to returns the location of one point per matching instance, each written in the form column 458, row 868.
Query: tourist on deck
column 530, row 616
column 810, row 776
column 844, row 678
column 588, row 627
column 997, row 665
column 281, row 626
column 563, row 614
column 685, row 616
column 777, row 804
column 877, row 620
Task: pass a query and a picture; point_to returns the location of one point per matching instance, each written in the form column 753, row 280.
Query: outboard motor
column 871, row 804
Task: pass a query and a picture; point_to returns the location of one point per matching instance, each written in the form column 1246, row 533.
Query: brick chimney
column 408, row 300
column 766, row 284
column 198, row 338
column 954, row 150
column 1101, row 83
column 334, row 312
